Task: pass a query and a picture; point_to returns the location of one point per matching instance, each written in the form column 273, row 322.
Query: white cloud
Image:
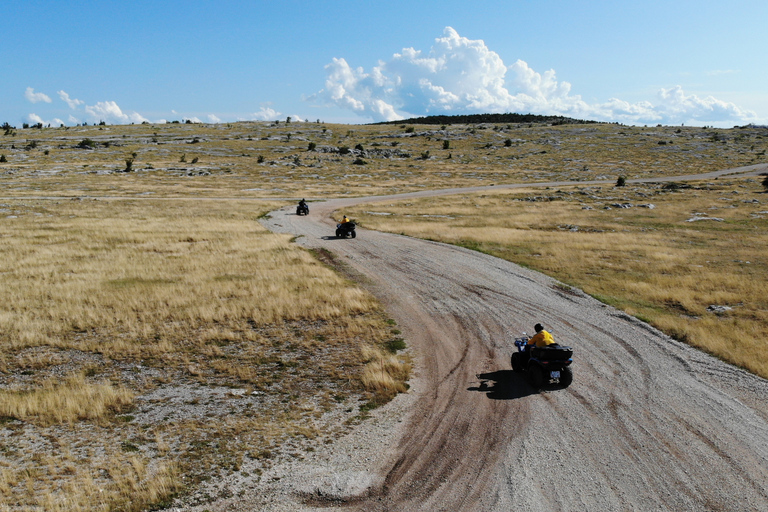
column 73, row 103
column 463, row 76
column 213, row 118
column 265, row 114
column 36, row 119
column 36, row 97
column 110, row 112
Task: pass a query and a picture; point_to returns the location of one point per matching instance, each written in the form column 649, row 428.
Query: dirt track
column 648, row 424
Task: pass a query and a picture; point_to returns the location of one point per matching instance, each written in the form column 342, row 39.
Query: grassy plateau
column 154, row 336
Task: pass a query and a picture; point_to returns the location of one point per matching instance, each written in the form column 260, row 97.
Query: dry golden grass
column 72, row 400
column 652, row 263
column 385, row 374
column 104, row 301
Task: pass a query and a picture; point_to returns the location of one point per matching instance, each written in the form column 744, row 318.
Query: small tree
column 621, row 181
column 446, row 144
column 312, row 146
column 128, row 164
column 3, row 159
column 765, row 180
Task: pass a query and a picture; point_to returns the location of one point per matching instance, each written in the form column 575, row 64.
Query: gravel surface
column 648, row 423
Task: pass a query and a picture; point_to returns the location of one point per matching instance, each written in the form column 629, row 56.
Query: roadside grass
column 659, row 264
column 148, row 345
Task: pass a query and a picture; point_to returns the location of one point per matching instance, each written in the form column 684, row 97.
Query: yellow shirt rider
column 345, row 220
column 541, row 339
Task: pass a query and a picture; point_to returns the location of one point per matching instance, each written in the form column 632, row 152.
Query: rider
column 541, row 339
column 303, row 203
column 345, row 219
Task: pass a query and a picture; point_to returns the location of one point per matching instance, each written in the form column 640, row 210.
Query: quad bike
column 302, row 209
column 543, row 365
column 346, row 229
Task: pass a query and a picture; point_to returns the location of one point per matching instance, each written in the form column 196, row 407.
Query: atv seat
column 552, row 352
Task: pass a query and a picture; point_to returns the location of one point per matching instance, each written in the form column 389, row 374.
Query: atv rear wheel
column 566, row 377
column 535, row 375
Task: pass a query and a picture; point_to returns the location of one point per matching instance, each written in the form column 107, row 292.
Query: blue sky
column 671, row 62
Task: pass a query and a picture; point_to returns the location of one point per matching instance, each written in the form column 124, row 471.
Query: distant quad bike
column 543, row 365
column 302, row 209
column 345, row 230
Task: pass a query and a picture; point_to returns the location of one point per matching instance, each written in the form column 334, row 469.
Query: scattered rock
column 698, row 218
column 718, row 309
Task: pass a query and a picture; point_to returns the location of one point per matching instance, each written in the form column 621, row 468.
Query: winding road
column 648, row 424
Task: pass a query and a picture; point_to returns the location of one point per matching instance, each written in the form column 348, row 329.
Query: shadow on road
column 503, row 385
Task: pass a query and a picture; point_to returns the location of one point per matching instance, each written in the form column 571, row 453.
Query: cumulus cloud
column 212, row 118
column 463, row 76
column 265, row 114
column 36, row 97
column 111, row 113
column 73, row 103
column 36, row 119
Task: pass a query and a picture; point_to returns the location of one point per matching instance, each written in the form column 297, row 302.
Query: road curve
column 648, row 424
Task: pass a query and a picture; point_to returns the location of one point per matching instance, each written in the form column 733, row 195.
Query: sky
column 702, row 63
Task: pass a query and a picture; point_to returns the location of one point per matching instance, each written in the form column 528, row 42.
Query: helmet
column 538, row 327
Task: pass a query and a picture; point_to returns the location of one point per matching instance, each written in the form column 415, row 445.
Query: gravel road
column 648, row 423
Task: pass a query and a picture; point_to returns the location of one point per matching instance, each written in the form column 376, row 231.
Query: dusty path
column 648, row 424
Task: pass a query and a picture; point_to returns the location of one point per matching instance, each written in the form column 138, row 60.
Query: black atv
column 345, row 230
column 302, row 209
column 543, row 365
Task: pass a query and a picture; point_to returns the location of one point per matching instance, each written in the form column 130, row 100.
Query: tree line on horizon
column 490, row 118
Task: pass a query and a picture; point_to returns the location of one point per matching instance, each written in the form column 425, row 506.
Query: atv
column 543, row 365
column 302, row 209
column 346, row 229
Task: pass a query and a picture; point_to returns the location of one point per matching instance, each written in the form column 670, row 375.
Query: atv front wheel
column 517, row 364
